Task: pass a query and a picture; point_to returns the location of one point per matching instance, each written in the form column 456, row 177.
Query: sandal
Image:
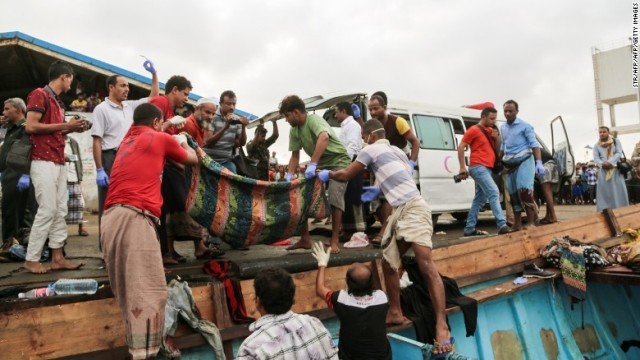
column 547, row 222
column 477, row 232
column 210, row 253
column 175, row 256
column 439, row 346
column 83, row 233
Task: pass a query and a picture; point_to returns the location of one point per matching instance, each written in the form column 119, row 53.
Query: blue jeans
column 230, row 165
column 486, row 188
column 520, row 184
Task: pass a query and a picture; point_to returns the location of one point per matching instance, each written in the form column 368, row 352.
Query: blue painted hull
column 534, row 323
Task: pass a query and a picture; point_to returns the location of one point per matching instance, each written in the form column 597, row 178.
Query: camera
column 457, row 178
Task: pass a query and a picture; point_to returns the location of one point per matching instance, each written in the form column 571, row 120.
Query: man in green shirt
column 313, row 134
column 15, row 198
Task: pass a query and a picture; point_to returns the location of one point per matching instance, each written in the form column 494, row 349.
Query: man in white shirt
column 111, row 121
column 351, row 138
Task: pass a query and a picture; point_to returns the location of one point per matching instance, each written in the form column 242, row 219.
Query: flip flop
column 83, row 233
column 437, row 345
column 210, row 254
column 547, row 222
column 477, row 232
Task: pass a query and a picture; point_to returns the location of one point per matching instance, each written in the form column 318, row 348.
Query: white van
column 440, row 130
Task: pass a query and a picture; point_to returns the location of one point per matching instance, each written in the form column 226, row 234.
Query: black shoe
column 532, row 270
column 504, row 230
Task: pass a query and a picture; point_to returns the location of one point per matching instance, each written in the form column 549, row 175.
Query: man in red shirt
column 128, row 235
column 45, row 123
column 483, row 140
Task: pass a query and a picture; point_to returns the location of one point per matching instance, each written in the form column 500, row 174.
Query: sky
column 447, row 53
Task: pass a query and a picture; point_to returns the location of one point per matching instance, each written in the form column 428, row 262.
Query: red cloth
column 481, row 149
column 163, row 103
column 137, row 169
column 235, row 300
column 48, row 147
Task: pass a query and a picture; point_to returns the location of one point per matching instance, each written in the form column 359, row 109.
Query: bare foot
column 335, row 249
column 34, row 267
column 396, row 319
column 301, row 244
column 64, row 264
column 169, row 260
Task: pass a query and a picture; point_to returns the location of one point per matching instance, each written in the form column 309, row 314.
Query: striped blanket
column 244, row 211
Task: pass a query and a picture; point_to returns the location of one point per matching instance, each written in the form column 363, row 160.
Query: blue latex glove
column 539, row 168
column 412, row 164
column 24, row 182
column 370, row 193
column 324, row 176
column 102, row 179
column 288, row 177
column 311, row 171
column 356, row 111
column 148, row 65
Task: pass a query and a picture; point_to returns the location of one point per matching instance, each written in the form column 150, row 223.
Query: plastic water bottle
column 74, row 286
column 36, row 293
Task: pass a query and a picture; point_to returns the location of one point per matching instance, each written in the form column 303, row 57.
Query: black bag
column 498, row 166
column 19, row 155
column 244, row 166
column 623, row 165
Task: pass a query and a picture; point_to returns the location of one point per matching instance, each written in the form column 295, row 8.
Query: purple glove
column 413, row 166
column 370, row 193
column 148, row 65
column 24, row 182
column 324, row 176
column 539, row 168
column 311, row 170
column 102, row 179
column 356, row 111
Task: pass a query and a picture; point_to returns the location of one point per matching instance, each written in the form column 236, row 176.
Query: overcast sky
column 439, row 52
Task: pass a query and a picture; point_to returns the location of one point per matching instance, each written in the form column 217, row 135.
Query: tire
column 460, row 216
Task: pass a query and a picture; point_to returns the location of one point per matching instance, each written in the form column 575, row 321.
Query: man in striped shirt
column 409, row 227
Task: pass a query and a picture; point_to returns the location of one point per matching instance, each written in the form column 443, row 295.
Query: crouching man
column 128, row 232
column 281, row 333
column 361, row 310
column 409, row 227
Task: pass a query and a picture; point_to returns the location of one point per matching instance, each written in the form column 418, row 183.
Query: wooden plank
column 305, row 298
column 76, row 328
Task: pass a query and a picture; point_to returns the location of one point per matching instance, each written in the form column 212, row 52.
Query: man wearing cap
column 111, row 121
column 258, row 149
column 228, row 132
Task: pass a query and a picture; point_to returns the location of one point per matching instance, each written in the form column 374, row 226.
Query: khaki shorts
column 336, row 193
column 411, row 223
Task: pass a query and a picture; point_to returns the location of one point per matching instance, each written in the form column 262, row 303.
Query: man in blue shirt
column 518, row 149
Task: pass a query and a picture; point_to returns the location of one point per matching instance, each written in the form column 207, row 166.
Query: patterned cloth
column 75, row 204
column 574, row 259
column 244, row 211
column 288, row 336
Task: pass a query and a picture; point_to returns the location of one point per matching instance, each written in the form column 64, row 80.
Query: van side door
column 438, row 163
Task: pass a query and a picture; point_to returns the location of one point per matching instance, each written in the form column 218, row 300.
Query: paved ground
column 85, row 249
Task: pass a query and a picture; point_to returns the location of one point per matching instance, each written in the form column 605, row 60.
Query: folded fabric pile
column 244, row 211
column 574, row 259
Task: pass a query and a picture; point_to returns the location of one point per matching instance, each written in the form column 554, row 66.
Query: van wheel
column 460, row 216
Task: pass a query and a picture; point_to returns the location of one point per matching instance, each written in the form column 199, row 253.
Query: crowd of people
column 140, row 152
